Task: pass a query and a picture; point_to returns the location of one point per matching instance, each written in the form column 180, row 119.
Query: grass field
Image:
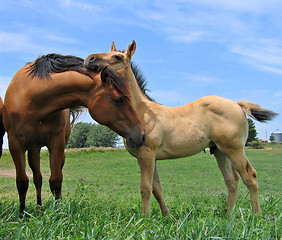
column 101, row 199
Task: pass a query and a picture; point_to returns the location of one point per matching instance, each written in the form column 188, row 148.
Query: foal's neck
column 138, row 97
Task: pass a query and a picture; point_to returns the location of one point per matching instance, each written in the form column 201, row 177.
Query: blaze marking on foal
column 211, row 121
column 36, row 113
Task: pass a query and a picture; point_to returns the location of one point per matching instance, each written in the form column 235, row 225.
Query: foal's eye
column 117, row 57
column 119, row 101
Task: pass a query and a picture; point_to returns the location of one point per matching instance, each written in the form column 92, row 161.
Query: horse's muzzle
column 136, row 142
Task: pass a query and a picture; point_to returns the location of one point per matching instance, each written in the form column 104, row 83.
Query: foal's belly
column 183, row 142
column 171, row 151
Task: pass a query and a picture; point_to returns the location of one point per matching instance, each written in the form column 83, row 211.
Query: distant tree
column 252, row 131
column 101, row 136
column 79, row 135
column 271, row 138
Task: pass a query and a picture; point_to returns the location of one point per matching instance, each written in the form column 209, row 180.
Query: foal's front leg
column 158, row 192
column 146, row 160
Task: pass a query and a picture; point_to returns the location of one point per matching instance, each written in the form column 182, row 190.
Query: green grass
column 101, row 200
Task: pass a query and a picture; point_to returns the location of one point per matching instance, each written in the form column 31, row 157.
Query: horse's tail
column 257, row 112
column 2, row 129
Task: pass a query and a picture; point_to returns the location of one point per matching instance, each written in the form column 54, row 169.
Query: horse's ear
column 131, row 49
column 113, row 47
column 105, row 74
column 121, row 71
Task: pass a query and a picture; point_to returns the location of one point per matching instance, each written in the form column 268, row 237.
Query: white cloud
column 14, row 42
column 79, row 4
column 4, row 82
column 169, row 98
column 41, row 43
column 265, row 54
column 57, row 38
column 202, row 78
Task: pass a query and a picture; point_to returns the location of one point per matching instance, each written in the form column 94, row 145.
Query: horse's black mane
column 56, row 63
column 141, row 80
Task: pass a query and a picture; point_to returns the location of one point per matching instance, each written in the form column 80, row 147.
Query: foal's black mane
column 141, row 80
column 56, row 63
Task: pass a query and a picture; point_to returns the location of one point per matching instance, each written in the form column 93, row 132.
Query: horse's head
column 112, row 107
column 114, row 58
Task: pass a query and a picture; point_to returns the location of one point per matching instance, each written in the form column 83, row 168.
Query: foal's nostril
column 144, row 137
column 92, row 59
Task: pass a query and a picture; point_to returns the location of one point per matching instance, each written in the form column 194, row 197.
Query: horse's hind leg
column 18, row 156
column 158, row 192
column 34, row 163
column 57, row 160
column 248, row 174
column 230, row 175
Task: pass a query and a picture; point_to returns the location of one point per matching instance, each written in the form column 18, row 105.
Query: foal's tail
column 2, row 130
column 257, row 112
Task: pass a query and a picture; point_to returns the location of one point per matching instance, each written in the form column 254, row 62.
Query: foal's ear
column 131, row 49
column 113, row 47
column 105, row 74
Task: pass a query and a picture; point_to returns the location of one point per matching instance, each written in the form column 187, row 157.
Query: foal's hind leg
column 230, row 175
column 57, row 160
column 34, row 163
column 158, row 192
column 248, row 174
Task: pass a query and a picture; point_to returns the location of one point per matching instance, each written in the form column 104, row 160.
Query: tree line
column 91, row 135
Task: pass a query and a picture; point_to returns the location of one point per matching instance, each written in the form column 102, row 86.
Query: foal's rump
column 226, row 119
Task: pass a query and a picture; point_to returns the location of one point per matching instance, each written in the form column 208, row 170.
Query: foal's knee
column 231, row 185
column 146, row 191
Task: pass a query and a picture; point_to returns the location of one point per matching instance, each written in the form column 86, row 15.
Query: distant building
column 277, row 136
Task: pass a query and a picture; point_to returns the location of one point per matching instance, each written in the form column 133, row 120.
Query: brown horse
column 36, row 113
column 212, row 121
column 2, row 130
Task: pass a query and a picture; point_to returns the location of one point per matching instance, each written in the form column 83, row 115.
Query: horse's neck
column 64, row 91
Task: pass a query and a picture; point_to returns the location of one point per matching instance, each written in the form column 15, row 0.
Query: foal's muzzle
column 91, row 63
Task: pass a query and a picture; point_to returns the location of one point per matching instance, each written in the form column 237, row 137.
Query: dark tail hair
column 257, row 112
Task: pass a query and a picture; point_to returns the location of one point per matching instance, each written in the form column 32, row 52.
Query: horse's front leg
column 146, row 160
column 34, row 163
column 57, row 160
column 158, row 192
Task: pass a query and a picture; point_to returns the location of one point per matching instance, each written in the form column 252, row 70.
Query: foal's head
column 114, row 58
column 112, row 107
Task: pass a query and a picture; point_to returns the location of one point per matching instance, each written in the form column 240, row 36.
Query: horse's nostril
column 144, row 137
column 92, row 59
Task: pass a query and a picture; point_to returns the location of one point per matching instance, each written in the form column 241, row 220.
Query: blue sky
column 187, row 49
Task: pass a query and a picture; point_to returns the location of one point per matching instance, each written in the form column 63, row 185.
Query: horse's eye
column 117, row 57
column 119, row 101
